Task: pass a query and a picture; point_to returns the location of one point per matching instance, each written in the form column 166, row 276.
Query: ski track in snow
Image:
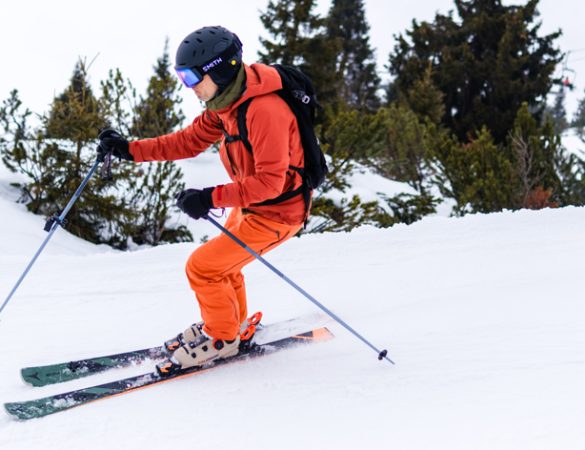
column 483, row 315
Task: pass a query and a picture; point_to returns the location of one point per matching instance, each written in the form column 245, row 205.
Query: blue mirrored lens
column 189, row 77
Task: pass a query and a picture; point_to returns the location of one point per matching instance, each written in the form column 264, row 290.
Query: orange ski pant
column 215, row 274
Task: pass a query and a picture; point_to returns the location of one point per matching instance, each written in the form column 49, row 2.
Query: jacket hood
column 261, row 79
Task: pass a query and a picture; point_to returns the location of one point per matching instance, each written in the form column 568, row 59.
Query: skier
column 264, row 192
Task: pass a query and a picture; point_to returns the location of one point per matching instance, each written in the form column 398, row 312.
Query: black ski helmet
column 211, row 50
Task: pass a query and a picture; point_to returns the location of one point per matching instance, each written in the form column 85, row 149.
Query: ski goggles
column 190, row 77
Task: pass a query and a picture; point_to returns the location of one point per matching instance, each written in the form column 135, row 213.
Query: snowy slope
column 484, row 316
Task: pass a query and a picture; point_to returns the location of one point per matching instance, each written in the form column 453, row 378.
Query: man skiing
column 264, row 191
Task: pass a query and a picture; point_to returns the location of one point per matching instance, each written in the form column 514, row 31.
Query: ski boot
column 205, row 349
column 191, row 334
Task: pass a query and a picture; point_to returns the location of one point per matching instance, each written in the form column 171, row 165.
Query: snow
column 571, row 140
column 483, row 315
column 369, row 185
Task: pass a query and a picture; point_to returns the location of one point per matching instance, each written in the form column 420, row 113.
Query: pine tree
column 477, row 174
column 486, row 63
column 118, row 99
column 424, row 98
column 541, row 162
column 68, row 142
column 297, row 37
column 155, row 115
column 404, row 154
column 75, row 114
column 579, row 119
column 23, row 151
column 355, row 62
column 55, row 156
column 530, row 170
column 52, row 168
column 355, row 137
column 291, row 24
column 557, row 113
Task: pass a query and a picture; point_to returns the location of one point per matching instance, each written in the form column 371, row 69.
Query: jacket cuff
column 217, row 196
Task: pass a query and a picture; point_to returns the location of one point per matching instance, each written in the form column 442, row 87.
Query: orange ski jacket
column 263, row 175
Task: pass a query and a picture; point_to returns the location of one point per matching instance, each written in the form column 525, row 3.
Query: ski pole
column 51, row 226
column 382, row 354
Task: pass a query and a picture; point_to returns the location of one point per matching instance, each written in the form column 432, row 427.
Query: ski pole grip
column 49, row 223
column 382, row 355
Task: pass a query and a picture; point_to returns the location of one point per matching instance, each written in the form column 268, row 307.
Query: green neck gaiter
column 230, row 94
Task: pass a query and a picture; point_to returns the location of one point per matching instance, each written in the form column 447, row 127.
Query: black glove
column 113, row 142
column 195, row 202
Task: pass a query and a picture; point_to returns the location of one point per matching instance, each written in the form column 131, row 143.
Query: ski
column 72, row 370
column 31, row 409
column 39, row 376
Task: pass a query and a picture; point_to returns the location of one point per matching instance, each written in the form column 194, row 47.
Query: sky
column 41, row 41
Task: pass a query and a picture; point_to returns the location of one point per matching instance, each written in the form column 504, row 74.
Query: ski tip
column 31, row 377
column 322, row 334
column 15, row 413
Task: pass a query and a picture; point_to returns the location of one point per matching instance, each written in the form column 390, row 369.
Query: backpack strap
column 242, row 127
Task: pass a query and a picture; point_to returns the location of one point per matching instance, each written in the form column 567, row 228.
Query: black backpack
column 299, row 94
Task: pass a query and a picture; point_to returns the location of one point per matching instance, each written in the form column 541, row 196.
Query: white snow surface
column 484, row 316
